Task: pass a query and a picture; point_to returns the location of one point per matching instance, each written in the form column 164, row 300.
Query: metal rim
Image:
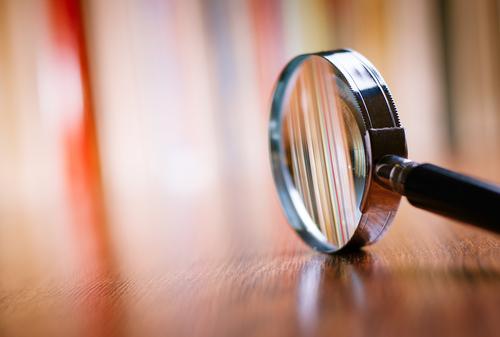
column 377, row 121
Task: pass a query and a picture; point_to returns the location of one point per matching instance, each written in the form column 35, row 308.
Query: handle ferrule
column 442, row 191
column 391, row 172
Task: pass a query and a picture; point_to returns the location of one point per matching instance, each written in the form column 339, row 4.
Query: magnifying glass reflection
column 324, row 149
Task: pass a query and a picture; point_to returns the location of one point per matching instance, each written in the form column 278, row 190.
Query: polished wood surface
column 427, row 277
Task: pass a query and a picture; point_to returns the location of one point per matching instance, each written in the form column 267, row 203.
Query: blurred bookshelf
column 177, row 96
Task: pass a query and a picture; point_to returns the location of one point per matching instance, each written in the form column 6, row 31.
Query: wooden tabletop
column 238, row 270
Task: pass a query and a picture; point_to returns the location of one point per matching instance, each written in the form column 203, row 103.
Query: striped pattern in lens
column 324, row 149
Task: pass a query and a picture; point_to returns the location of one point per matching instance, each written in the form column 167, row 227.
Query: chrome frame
column 382, row 135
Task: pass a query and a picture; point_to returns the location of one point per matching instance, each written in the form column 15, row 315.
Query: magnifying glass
column 339, row 157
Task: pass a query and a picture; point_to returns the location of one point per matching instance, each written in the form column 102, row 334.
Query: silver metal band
column 391, row 171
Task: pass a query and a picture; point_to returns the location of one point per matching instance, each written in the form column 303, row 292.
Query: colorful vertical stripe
column 325, row 149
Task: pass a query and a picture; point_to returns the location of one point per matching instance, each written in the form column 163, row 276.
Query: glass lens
column 324, row 149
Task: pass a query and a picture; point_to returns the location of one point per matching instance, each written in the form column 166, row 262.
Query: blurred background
column 133, row 133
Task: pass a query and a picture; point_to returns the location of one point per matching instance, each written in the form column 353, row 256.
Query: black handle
column 454, row 195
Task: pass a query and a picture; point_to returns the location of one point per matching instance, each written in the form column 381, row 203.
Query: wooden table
column 237, row 270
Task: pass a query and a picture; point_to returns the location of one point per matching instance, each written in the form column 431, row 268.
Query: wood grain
column 428, row 276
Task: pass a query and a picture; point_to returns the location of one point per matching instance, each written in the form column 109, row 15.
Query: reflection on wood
column 427, row 277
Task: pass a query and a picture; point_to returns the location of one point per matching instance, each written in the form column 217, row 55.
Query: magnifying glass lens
column 324, row 149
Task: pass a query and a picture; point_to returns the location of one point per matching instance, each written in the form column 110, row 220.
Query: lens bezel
column 381, row 132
